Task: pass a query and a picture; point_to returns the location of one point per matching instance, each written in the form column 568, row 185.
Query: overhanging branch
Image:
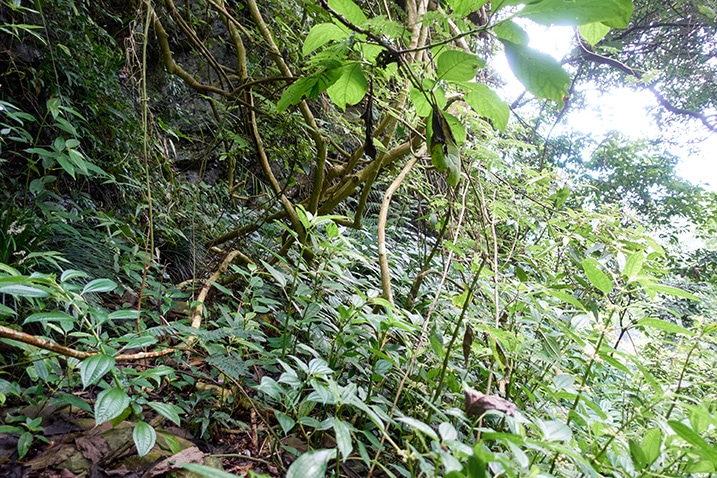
column 709, row 121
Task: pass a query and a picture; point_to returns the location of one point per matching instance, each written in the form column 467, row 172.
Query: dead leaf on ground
column 188, row 455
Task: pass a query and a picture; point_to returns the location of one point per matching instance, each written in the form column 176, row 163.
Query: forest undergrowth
column 303, row 239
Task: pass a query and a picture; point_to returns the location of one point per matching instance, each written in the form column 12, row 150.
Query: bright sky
column 621, row 109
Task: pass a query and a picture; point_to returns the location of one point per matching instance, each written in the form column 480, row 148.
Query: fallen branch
column 46, row 344
column 199, row 307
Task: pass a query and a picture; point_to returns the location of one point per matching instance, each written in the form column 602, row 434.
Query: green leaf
column 554, row 430
column 462, row 8
column 320, row 35
column 311, row 465
column 540, row 73
column 614, row 13
column 72, row 400
column 511, row 32
column 343, row 438
column 596, row 276
column 453, row 162
column 23, row 444
column 310, row 86
column 206, row 471
column 349, row 10
column 488, row 104
column 285, row 421
column 565, row 297
column 457, row 65
column 124, row 314
column 638, row 456
column 666, row 289
column 651, row 445
column 694, row 439
column 99, row 285
column 93, row 368
column 64, row 161
column 665, row 326
column 419, row 426
column 110, row 404
column 54, row 316
column 167, row 410
column 21, row 287
column 350, row 88
column 5, row 310
column 72, row 274
column 144, row 437
column 593, row 32
column 633, row 265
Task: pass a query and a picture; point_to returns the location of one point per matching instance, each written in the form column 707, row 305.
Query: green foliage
column 514, row 281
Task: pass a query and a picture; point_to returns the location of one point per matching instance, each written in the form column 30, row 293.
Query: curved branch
column 321, row 150
column 709, row 121
column 382, row 219
column 199, row 308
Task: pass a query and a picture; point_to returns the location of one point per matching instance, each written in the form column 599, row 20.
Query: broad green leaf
column 349, row 10
column 5, row 310
column 633, row 265
column 54, row 316
column 565, row 297
column 457, row 65
column 553, row 430
column 124, row 314
column 419, row 426
column 512, row 32
column 593, row 32
column 458, row 131
column 319, row 367
column 21, row 287
column 23, row 444
column 665, row 326
column 110, row 404
column 596, row 276
column 540, row 73
column 321, row 34
column 488, row 104
column 651, row 445
column 674, row 291
column 463, row 7
column 140, row 342
column 453, row 162
column 638, row 456
column 694, row 439
column 72, row 274
column 206, row 471
column 285, row 421
column 276, row 274
column 350, row 88
column 144, row 437
column 311, row 465
column 99, row 285
column 93, row 368
column 309, row 86
column 343, row 438
column 447, row 431
column 167, row 410
column 72, row 400
column 614, row 13
column 295, row 92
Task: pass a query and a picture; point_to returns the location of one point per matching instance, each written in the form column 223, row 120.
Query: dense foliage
column 310, row 234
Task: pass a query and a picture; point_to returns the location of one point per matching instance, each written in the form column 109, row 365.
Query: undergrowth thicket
column 386, row 288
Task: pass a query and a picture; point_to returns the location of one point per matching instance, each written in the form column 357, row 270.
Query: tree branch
column 709, row 121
